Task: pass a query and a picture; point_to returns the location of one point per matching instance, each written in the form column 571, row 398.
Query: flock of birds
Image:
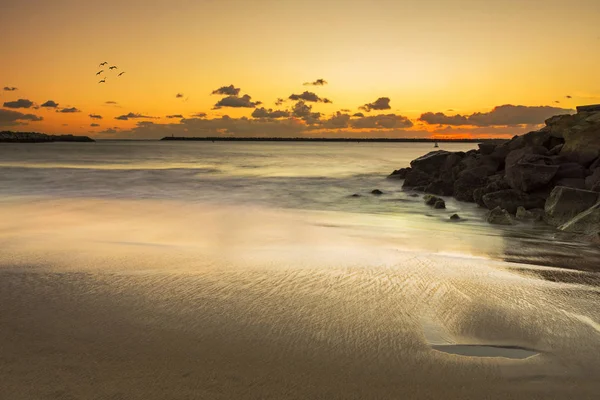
column 112, row 67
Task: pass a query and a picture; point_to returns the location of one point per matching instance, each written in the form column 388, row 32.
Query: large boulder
column 577, row 183
column 592, row 182
column 441, row 187
column 587, row 222
column 565, row 203
column 468, row 181
column 582, row 139
column 530, row 176
column 432, row 162
column 535, row 214
column 399, row 173
column 511, row 199
column 416, row 177
column 570, row 170
column 499, row 216
column 496, row 183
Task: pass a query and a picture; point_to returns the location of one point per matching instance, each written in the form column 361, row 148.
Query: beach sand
column 148, row 300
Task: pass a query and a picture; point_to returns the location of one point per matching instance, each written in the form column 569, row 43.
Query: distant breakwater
column 34, row 137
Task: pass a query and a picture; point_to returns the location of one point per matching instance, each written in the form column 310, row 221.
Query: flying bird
column 569, row 97
column 103, row 80
column 103, row 64
column 112, row 67
column 121, row 73
column 557, row 102
column 99, row 72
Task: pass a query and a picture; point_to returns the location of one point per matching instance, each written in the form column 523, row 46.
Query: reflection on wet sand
column 147, row 300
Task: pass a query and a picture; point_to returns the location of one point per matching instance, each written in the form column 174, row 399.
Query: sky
column 330, row 68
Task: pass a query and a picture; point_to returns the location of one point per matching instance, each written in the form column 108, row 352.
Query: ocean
column 249, row 270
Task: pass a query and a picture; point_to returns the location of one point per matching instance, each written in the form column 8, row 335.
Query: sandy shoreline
column 140, row 313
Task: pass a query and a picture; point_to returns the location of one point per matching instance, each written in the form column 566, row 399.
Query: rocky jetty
column 34, row 137
column 552, row 174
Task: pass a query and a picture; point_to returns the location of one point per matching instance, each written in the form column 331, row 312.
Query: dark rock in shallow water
column 592, row 182
column 468, row 181
column 399, row 173
column 587, row 222
column 535, row 214
column 377, row 192
column 440, row 204
column 511, row 200
column 529, row 177
column 355, row 195
column 496, row 184
column 565, row 203
column 455, row 217
column 416, row 177
column 499, row 216
column 431, row 163
column 440, row 187
column 575, row 183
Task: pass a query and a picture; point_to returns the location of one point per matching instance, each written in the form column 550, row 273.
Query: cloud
column 309, row 96
column 131, row 115
column 505, row 115
column 95, row 116
column 318, row 82
column 569, row 97
column 69, row 110
column 264, row 113
column 279, row 101
column 11, row 118
column 179, row 95
column 358, row 115
column 50, row 104
column 227, row 91
column 304, row 111
column 110, row 102
column 199, row 115
column 9, row 89
column 94, row 125
column 382, row 103
column 339, row 120
column 110, row 131
column 236, row 102
column 382, row 121
column 21, row 103
column 174, row 116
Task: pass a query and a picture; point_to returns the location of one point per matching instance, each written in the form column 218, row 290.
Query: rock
column 377, row 192
column 595, row 164
column 496, row 183
column 440, row 187
column 529, row 177
column 535, row 214
column 589, row 108
column 575, row 183
column 487, row 148
column 570, row 170
column 430, row 199
column 554, row 151
column 468, row 181
column 431, row 163
column 593, row 181
column 416, row 177
column 455, row 217
column 587, row 222
column 399, row 173
column 565, row 203
column 511, row 200
column 582, row 143
column 355, row 195
column 413, row 195
column 499, row 216
column 440, row 204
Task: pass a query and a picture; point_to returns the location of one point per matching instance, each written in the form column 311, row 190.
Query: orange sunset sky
column 412, row 68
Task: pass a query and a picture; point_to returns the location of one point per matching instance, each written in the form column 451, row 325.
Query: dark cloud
column 50, row 104
column 304, row 111
column 506, row 115
column 569, row 97
column 131, row 115
column 382, row 103
column 338, row 121
column 21, row 103
column 95, row 116
column 10, row 89
column 227, row 91
column 264, row 113
column 236, row 102
column 11, row 118
column 111, row 102
column 179, row 95
column 199, row 115
column 94, row 125
column 308, row 96
column 69, row 110
column 382, row 121
column 358, row 115
column 174, row 116
column 318, row 82
column 110, row 131
column 279, row 101
column 345, row 110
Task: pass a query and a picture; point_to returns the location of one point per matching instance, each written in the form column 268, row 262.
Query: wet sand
column 142, row 300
